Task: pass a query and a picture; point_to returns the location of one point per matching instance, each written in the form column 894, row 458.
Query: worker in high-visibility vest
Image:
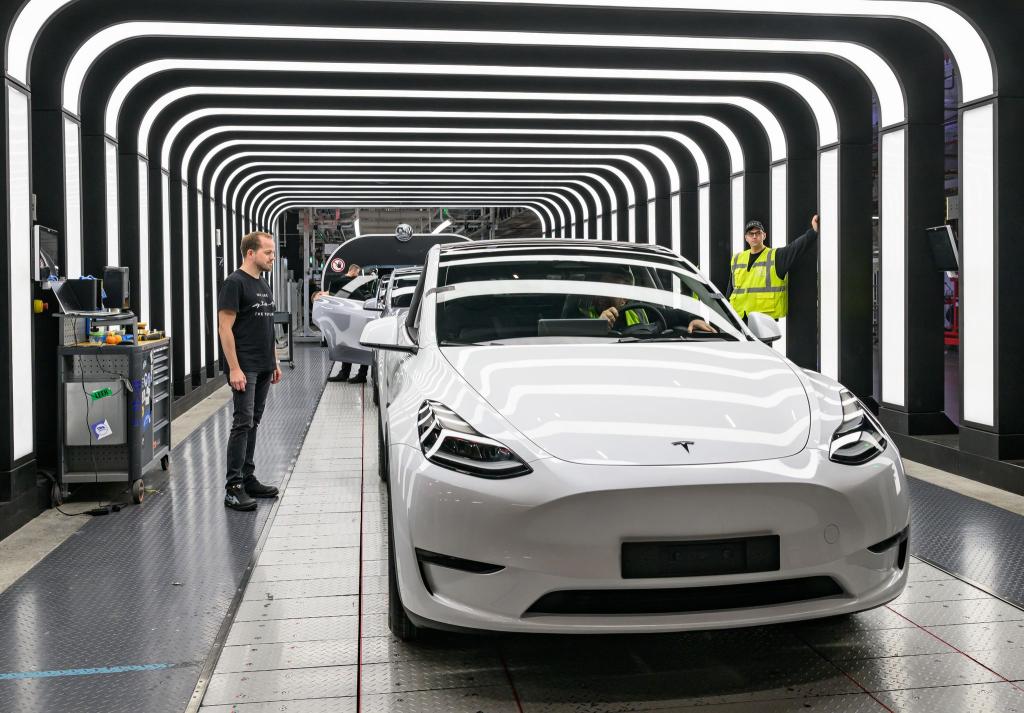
column 759, row 276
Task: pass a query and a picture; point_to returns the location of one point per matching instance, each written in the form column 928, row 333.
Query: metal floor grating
column 310, row 632
column 122, row 616
column 301, row 643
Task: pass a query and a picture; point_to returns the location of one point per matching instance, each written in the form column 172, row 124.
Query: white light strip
column 671, row 169
column 476, row 157
column 704, row 229
column 110, row 188
column 213, row 279
column 357, row 228
column 612, row 199
column 828, row 209
column 875, row 68
column 165, row 194
column 893, row 319
column 227, row 235
column 72, row 199
column 433, row 176
column 442, row 227
column 186, row 315
column 978, row 269
column 276, row 184
column 779, row 225
column 737, row 218
column 201, row 274
column 144, row 266
column 567, row 217
column 398, row 203
column 26, row 27
column 777, row 139
column 957, row 32
column 816, row 99
column 19, row 232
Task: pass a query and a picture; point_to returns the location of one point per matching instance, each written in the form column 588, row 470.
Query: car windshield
column 563, row 298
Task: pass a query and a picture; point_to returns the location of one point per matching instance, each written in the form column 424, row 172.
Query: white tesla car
column 583, row 437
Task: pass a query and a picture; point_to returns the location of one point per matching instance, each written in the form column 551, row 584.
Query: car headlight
column 448, row 441
column 859, row 437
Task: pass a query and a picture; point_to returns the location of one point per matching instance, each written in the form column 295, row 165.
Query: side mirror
column 764, row 327
column 372, row 305
column 387, row 333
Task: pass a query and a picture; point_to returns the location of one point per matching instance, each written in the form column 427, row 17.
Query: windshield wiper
column 680, row 337
column 448, row 343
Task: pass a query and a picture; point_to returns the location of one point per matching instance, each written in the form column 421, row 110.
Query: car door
column 341, row 318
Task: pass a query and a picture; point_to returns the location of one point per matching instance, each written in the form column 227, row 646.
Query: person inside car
column 608, row 308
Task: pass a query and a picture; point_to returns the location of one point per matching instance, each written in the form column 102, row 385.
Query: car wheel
column 382, row 452
column 398, row 620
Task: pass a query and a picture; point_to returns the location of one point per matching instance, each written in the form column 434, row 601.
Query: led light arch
column 570, row 217
column 878, row 72
column 583, row 170
column 815, row 98
column 256, row 192
column 559, row 157
column 551, row 199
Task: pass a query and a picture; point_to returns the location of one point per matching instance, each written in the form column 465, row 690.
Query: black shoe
column 237, row 499
column 340, row 376
column 359, row 378
column 257, row 489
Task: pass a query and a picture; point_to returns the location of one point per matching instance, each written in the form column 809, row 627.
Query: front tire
column 398, row 620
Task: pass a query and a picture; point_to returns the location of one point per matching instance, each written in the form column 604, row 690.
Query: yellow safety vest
column 759, row 289
column 631, row 315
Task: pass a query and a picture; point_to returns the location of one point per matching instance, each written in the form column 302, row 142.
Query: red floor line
column 839, row 668
column 511, row 683
column 362, row 508
column 962, row 653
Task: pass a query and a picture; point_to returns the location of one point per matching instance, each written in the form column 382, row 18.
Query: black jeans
column 346, row 369
column 248, row 412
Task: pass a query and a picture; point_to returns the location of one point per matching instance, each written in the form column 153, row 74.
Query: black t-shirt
column 253, row 304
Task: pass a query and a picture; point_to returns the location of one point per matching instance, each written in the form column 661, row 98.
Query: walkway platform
column 284, row 610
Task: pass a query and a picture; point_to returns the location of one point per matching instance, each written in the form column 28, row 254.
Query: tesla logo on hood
column 684, row 444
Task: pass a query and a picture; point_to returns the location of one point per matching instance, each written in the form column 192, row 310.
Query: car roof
column 610, row 245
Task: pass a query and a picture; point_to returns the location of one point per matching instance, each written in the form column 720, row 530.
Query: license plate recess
column 700, row 558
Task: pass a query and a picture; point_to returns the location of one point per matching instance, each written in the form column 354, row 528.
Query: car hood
column 644, row 404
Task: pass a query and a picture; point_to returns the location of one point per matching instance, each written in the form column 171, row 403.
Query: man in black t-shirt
column 245, row 311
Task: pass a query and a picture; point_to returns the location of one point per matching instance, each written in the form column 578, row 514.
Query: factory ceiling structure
column 155, row 135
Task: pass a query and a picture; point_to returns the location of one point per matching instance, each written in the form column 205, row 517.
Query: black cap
column 752, row 225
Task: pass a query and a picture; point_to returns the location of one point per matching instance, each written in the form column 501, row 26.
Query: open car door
column 342, row 316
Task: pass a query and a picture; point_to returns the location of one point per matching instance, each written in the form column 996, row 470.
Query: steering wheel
column 659, row 318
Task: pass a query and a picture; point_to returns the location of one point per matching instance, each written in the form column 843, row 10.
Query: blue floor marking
column 82, row 671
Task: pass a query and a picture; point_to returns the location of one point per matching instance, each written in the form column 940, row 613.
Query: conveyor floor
column 104, row 627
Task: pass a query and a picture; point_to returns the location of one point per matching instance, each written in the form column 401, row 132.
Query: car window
column 359, row 288
column 565, row 298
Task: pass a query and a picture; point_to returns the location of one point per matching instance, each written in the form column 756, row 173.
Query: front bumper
column 561, row 528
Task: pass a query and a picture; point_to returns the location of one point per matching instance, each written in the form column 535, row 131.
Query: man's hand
column 814, row 222
column 611, row 314
column 276, row 378
column 699, row 325
column 320, row 293
column 237, row 379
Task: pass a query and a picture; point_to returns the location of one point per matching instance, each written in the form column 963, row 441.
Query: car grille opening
column 427, row 557
column 687, row 599
column 902, row 537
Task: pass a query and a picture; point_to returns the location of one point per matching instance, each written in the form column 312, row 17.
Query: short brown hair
column 252, row 241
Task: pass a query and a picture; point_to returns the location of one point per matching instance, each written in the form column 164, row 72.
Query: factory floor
column 179, row 604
